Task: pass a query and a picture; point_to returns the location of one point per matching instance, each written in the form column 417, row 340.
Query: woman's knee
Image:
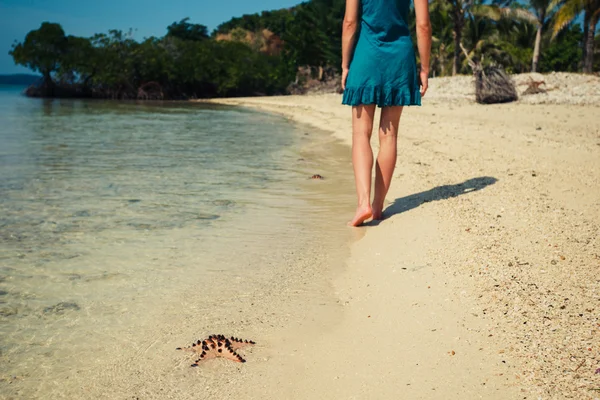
column 362, row 132
column 388, row 132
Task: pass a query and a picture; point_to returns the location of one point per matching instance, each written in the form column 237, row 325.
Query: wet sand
column 110, row 256
column 483, row 280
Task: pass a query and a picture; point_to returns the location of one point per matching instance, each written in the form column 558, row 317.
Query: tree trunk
column 536, row 49
column 588, row 62
column 47, row 88
column 586, row 27
column 458, row 20
column 442, row 63
column 457, row 40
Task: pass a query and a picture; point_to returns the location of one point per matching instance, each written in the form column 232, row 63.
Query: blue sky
column 86, row 17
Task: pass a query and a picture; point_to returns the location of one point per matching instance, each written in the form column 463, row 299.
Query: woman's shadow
column 444, row 192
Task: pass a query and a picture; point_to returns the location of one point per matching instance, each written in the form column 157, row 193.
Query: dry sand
column 484, row 282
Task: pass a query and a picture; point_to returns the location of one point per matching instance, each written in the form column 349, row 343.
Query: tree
column 568, row 11
column 518, row 40
column 540, row 12
column 459, row 9
column 187, row 31
column 42, row 51
column 442, row 40
column 114, row 54
column 79, row 61
column 307, row 44
column 564, row 53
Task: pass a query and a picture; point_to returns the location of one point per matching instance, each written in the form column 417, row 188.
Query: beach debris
column 61, row 307
column 580, row 365
column 224, row 203
column 317, row 176
column 8, row 311
column 534, row 86
column 207, row 217
column 597, row 372
column 493, row 85
column 218, row 346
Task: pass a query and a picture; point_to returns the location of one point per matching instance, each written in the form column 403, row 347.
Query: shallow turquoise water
column 109, row 208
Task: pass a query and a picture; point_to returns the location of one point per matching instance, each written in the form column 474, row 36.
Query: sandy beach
column 483, row 281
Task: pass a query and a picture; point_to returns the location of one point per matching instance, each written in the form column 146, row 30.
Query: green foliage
column 185, row 63
column 311, row 30
column 187, row 31
column 564, row 54
column 42, row 51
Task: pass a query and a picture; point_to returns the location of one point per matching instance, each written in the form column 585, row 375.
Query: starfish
column 218, row 346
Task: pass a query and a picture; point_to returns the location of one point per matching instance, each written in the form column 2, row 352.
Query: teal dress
column 383, row 69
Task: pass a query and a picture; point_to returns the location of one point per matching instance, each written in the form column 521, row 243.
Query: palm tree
column 442, row 39
column 459, row 10
column 568, row 11
column 483, row 38
column 540, row 12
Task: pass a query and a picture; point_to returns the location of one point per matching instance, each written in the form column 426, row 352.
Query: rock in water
column 493, row 85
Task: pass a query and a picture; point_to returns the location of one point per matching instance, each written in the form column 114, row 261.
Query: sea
column 113, row 213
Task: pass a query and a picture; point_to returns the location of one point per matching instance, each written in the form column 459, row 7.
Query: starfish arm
column 236, row 343
column 230, row 354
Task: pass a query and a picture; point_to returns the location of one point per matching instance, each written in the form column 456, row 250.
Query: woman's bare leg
column 362, row 160
column 386, row 159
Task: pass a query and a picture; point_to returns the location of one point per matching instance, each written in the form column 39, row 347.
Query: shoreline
column 501, row 264
column 129, row 348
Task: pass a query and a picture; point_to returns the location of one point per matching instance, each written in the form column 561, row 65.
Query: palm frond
column 566, row 14
column 554, row 4
column 489, row 11
column 521, row 14
column 496, row 13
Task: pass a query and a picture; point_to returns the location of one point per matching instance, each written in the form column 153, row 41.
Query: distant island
column 20, row 79
column 286, row 51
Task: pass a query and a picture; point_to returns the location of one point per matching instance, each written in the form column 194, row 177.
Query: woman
column 379, row 69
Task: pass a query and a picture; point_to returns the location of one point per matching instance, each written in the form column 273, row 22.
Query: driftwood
column 492, row 84
column 533, row 87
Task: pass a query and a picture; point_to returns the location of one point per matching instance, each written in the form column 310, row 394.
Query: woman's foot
column 377, row 210
column 377, row 215
column 362, row 214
